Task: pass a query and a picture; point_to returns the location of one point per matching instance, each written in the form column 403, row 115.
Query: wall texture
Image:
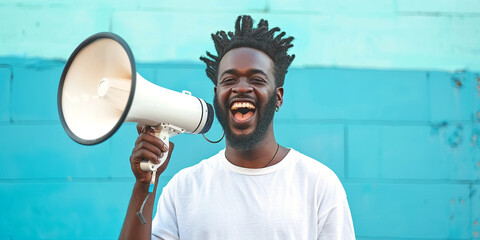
column 427, row 34
column 386, row 93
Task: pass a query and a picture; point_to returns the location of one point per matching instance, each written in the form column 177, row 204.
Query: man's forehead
column 246, row 59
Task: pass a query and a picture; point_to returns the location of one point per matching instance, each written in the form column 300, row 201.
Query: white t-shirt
column 297, row 198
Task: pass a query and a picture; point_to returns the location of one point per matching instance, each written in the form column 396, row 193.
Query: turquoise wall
column 386, row 93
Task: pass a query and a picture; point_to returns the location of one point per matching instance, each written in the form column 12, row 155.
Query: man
column 254, row 188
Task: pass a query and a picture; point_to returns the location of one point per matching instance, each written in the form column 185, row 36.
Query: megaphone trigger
column 164, row 132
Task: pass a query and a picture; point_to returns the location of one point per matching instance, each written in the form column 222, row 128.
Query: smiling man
column 254, row 188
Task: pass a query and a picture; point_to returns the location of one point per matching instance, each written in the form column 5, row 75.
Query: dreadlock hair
column 260, row 38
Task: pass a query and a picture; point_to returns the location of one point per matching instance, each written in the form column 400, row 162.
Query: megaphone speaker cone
column 97, row 88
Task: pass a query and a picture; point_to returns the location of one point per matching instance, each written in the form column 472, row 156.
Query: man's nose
column 242, row 86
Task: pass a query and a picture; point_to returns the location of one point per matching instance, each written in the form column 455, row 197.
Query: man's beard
column 247, row 141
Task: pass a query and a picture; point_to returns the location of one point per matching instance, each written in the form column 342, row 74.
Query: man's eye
column 258, row 80
column 228, row 80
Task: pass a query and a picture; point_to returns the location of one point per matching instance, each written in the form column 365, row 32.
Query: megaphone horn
column 100, row 89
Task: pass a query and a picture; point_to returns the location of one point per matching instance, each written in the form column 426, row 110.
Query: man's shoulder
column 318, row 173
column 204, row 167
column 309, row 164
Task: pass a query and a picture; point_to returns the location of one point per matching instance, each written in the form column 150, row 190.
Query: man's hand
column 148, row 147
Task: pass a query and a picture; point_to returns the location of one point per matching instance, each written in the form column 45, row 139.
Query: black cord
column 210, row 141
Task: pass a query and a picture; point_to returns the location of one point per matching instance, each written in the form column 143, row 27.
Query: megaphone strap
column 210, row 141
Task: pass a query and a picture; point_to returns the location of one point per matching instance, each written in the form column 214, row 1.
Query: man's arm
column 132, row 226
column 337, row 224
column 151, row 148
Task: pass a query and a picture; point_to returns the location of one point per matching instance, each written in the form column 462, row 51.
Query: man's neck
column 264, row 153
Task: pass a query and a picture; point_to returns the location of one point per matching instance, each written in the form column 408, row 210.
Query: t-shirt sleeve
column 337, row 223
column 164, row 225
column 334, row 218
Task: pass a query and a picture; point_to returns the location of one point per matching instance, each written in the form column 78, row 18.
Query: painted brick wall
column 405, row 34
column 386, row 93
column 404, row 144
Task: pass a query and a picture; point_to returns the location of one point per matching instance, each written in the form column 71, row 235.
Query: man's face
column 246, row 96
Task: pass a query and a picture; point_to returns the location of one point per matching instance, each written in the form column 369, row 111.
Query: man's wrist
column 142, row 185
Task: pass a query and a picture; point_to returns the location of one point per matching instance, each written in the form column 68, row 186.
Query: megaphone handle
column 164, row 135
column 162, row 132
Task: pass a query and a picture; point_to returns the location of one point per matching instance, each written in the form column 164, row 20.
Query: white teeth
column 238, row 105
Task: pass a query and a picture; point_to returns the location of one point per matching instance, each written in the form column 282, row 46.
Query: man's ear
column 279, row 96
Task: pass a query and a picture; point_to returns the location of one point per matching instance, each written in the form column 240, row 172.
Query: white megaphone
column 100, row 89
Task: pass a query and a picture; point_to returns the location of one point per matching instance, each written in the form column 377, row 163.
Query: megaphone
column 100, row 89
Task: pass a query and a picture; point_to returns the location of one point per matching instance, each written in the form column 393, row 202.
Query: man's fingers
column 141, row 128
column 144, row 154
column 150, row 147
column 165, row 164
column 145, row 137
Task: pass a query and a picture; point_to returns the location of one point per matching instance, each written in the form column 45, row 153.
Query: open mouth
column 242, row 111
